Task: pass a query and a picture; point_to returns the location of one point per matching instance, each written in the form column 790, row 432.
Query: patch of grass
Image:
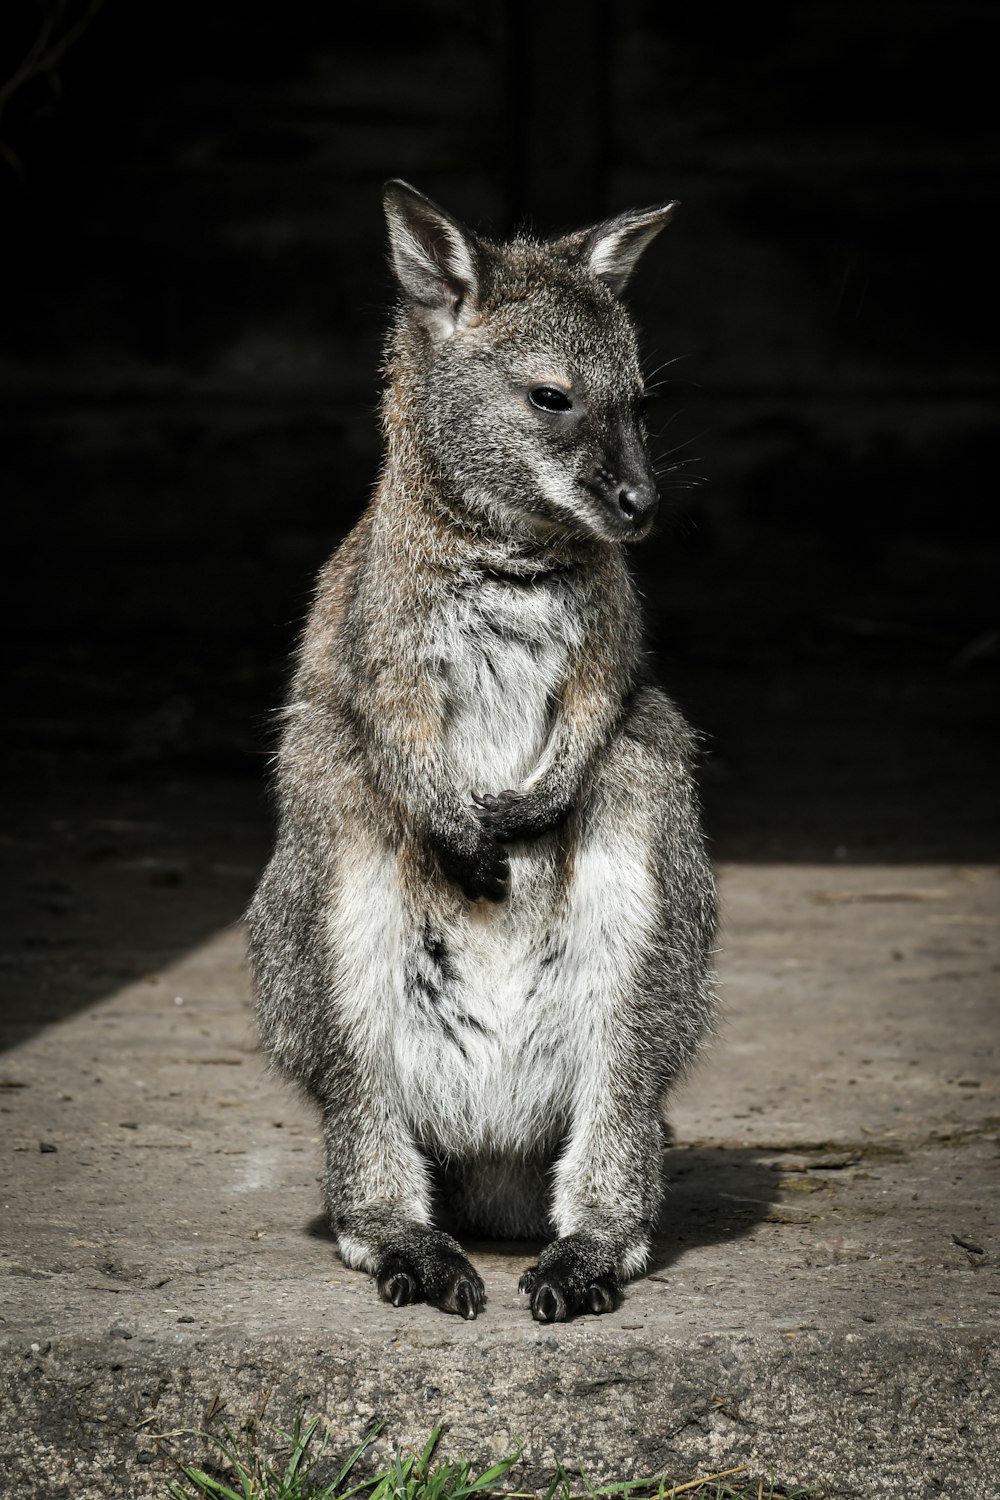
column 243, row 1473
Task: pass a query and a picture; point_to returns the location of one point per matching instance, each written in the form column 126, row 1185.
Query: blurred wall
column 195, row 289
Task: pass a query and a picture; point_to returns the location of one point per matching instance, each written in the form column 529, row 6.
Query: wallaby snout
column 623, row 480
column 632, row 503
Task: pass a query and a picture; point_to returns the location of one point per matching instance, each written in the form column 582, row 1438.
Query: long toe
column 399, row 1287
column 526, row 1285
column 456, row 1286
column 402, row 1289
column 548, row 1305
column 600, row 1297
column 469, row 1300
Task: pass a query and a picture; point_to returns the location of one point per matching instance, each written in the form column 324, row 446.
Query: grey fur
column 481, row 945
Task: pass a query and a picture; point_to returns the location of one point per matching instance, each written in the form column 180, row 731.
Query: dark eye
column 548, row 398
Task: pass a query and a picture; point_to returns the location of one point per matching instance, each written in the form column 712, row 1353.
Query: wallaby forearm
column 399, row 716
column 590, row 714
column 594, row 699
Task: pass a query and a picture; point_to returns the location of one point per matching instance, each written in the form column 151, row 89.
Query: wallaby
column 481, row 945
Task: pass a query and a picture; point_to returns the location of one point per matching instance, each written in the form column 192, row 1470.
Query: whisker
column 661, row 467
column 691, row 482
column 664, row 365
column 657, row 435
column 696, row 438
column 657, row 391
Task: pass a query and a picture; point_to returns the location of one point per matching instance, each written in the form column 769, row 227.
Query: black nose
column 635, row 505
column 632, row 501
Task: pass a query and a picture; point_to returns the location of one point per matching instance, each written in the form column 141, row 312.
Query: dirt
column 834, row 1160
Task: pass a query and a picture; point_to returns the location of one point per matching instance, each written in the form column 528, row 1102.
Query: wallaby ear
column 432, row 255
column 612, row 249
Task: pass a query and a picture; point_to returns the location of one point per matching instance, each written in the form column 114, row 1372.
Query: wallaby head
column 515, row 371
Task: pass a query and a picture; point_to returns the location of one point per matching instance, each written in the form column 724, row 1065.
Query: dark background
column 194, row 292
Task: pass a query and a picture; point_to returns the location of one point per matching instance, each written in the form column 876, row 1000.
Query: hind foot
column 432, row 1273
column 573, row 1276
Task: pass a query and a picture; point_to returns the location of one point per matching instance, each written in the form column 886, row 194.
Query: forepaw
column 491, row 880
column 507, row 815
column 482, row 875
column 514, row 815
column 491, row 808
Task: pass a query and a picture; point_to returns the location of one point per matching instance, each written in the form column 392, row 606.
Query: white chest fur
column 451, row 1011
column 469, row 1014
column 502, row 651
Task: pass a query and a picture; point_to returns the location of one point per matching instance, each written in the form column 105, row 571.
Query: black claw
column 495, row 886
column 466, row 1301
column 599, row 1298
column 526, row 1285
column 487, row 891
column 547, row 1305
column 399, row 1288
column 491, row 886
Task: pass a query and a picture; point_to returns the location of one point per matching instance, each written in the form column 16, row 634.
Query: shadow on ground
column 106, row 879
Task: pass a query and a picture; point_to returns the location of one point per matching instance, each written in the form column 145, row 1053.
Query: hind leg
column 632, row 986
column 606, row 1182
column 376, row 1181
column 605, row 1203
column 378, row 1199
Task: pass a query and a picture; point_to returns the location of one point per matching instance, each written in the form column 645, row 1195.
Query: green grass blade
column 500, row 1470
column 210, row 1486
column 430, row 1445
column 228, row 1445
column 365, row 1443
column 413, row 1474
column 553, row 1492
column 591, row 1492
column 300, row 1441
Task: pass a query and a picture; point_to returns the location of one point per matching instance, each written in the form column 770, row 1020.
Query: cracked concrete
column 823, row 1300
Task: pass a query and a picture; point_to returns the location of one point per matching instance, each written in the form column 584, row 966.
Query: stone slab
column 822, row 1303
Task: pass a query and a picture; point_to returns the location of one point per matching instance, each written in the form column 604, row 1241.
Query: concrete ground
column 822, row 1305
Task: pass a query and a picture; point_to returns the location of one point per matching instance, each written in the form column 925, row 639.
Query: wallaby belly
column 450, row 1005
column 484, row 1021
column 454, row 998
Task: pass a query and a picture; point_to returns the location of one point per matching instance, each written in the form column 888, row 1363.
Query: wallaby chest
column 500, row 648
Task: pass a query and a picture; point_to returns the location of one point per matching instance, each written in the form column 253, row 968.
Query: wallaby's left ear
column 612, row 249
column 432, row 255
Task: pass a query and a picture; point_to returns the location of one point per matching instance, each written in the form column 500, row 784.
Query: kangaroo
column 481, row 944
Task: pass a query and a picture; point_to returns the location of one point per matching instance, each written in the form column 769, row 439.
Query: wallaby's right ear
column 611, row 250
column 433, row 257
